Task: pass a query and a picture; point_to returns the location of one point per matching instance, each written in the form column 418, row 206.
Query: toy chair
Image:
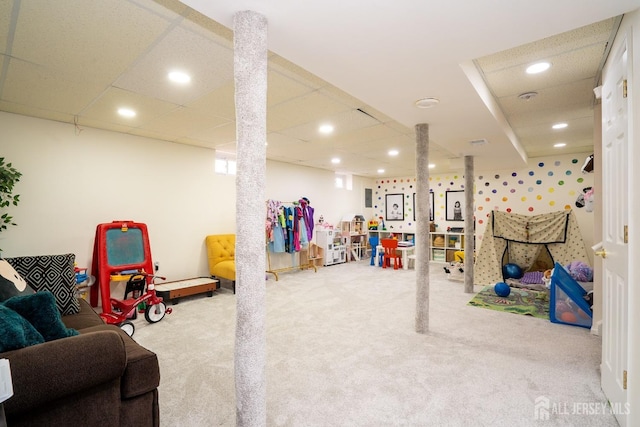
column 374, row 242
column 390, row 247
column 221, row 253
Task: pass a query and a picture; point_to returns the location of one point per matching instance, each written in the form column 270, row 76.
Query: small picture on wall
column 394, row 207
column 454, row 200
column 431, row 204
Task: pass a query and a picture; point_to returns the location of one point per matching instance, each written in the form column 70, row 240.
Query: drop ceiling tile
column 6, row 8
column 311, row 108
column 105, row 108
column 207, row 27
column 287, row 68
column 573, row 96
column 219, row 102
column 576, row 65
column 46, row 88
column 368, row 134
column 540, row 124
column 343, row 122
column 281, row 88
column 209, row 64
column 184, row 121
column 595, row 34
column 101, row 35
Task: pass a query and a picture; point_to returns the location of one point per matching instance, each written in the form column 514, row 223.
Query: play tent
column 534, row 242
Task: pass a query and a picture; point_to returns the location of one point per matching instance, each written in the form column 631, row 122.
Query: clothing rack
column 307, row 255
column 310, row 262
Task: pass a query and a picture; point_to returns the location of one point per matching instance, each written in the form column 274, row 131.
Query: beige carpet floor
column 342, row 351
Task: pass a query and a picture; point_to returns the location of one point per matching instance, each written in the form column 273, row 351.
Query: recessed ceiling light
column 559, row 126
column 126, row 112
column 538, row 67
column 431, row 166
column 325, row 129
column 427, row 102
column 393, row 152
column 179, row 77
column 380, row 170
column 335, row 160
column 560, row 145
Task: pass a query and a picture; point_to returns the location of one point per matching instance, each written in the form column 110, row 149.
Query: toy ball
column 568, row 317
column 502, row 289
column 511, row 271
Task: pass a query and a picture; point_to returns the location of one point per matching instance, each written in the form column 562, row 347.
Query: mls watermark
column 544, row 408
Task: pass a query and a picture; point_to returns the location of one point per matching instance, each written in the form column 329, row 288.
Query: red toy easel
column 119, row 247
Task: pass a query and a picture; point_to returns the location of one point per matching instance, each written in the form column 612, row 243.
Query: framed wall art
column 394, row 207
column 431, row 206
column 454, row 201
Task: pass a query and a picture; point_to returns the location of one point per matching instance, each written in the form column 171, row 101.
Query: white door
column 615, row 216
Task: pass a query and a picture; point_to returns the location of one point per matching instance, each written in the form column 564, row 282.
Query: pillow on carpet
column 41, row 312
column 15, row 331
column 52, row 273
column 532, row 277
column 11, row 283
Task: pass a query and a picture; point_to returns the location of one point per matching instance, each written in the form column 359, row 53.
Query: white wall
column 73, row 181
column 547, row 184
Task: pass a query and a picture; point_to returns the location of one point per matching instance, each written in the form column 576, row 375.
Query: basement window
column 225, row 163
column 344, row 180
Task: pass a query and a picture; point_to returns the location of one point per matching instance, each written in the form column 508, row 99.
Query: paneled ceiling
column 78, row 61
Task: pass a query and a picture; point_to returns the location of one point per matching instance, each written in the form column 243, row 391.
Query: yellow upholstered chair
column 221, row 253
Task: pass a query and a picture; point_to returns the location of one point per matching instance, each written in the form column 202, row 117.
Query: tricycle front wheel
column 154, row 313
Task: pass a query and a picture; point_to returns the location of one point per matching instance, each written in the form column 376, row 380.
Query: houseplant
column 9, row 176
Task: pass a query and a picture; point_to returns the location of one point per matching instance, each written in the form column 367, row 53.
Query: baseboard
column 596, row 328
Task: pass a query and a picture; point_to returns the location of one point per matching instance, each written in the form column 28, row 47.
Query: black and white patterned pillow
column 54, row 273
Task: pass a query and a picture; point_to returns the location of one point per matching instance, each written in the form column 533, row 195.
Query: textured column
column 469, row 224
column 250, row 70
column 422, row 228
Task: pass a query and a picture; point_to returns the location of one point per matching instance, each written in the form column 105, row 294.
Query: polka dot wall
column 547, row 184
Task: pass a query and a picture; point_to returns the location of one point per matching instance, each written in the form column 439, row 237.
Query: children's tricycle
column 142, row 288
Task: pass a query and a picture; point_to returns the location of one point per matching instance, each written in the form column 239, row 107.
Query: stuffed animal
column 546, row 278
column 580, row 271
column 11, row 283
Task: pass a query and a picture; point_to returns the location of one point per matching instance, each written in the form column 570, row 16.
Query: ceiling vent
column 478, row 142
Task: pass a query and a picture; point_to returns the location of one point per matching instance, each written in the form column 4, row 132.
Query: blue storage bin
column 567, row 304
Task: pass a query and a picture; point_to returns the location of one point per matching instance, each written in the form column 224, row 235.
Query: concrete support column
column 469, row 225
column 422, row 228
column 250, row 70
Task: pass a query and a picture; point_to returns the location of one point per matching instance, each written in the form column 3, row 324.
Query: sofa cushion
column 142, row 373
column 11, row 282
column 86, row 318
column 16, row 331
column 54, row 273
column 40, row 311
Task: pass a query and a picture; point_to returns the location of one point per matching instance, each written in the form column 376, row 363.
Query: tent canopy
column 522, row 239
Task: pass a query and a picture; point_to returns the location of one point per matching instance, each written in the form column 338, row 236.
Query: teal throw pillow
column 40, row 310
column 16, row 331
